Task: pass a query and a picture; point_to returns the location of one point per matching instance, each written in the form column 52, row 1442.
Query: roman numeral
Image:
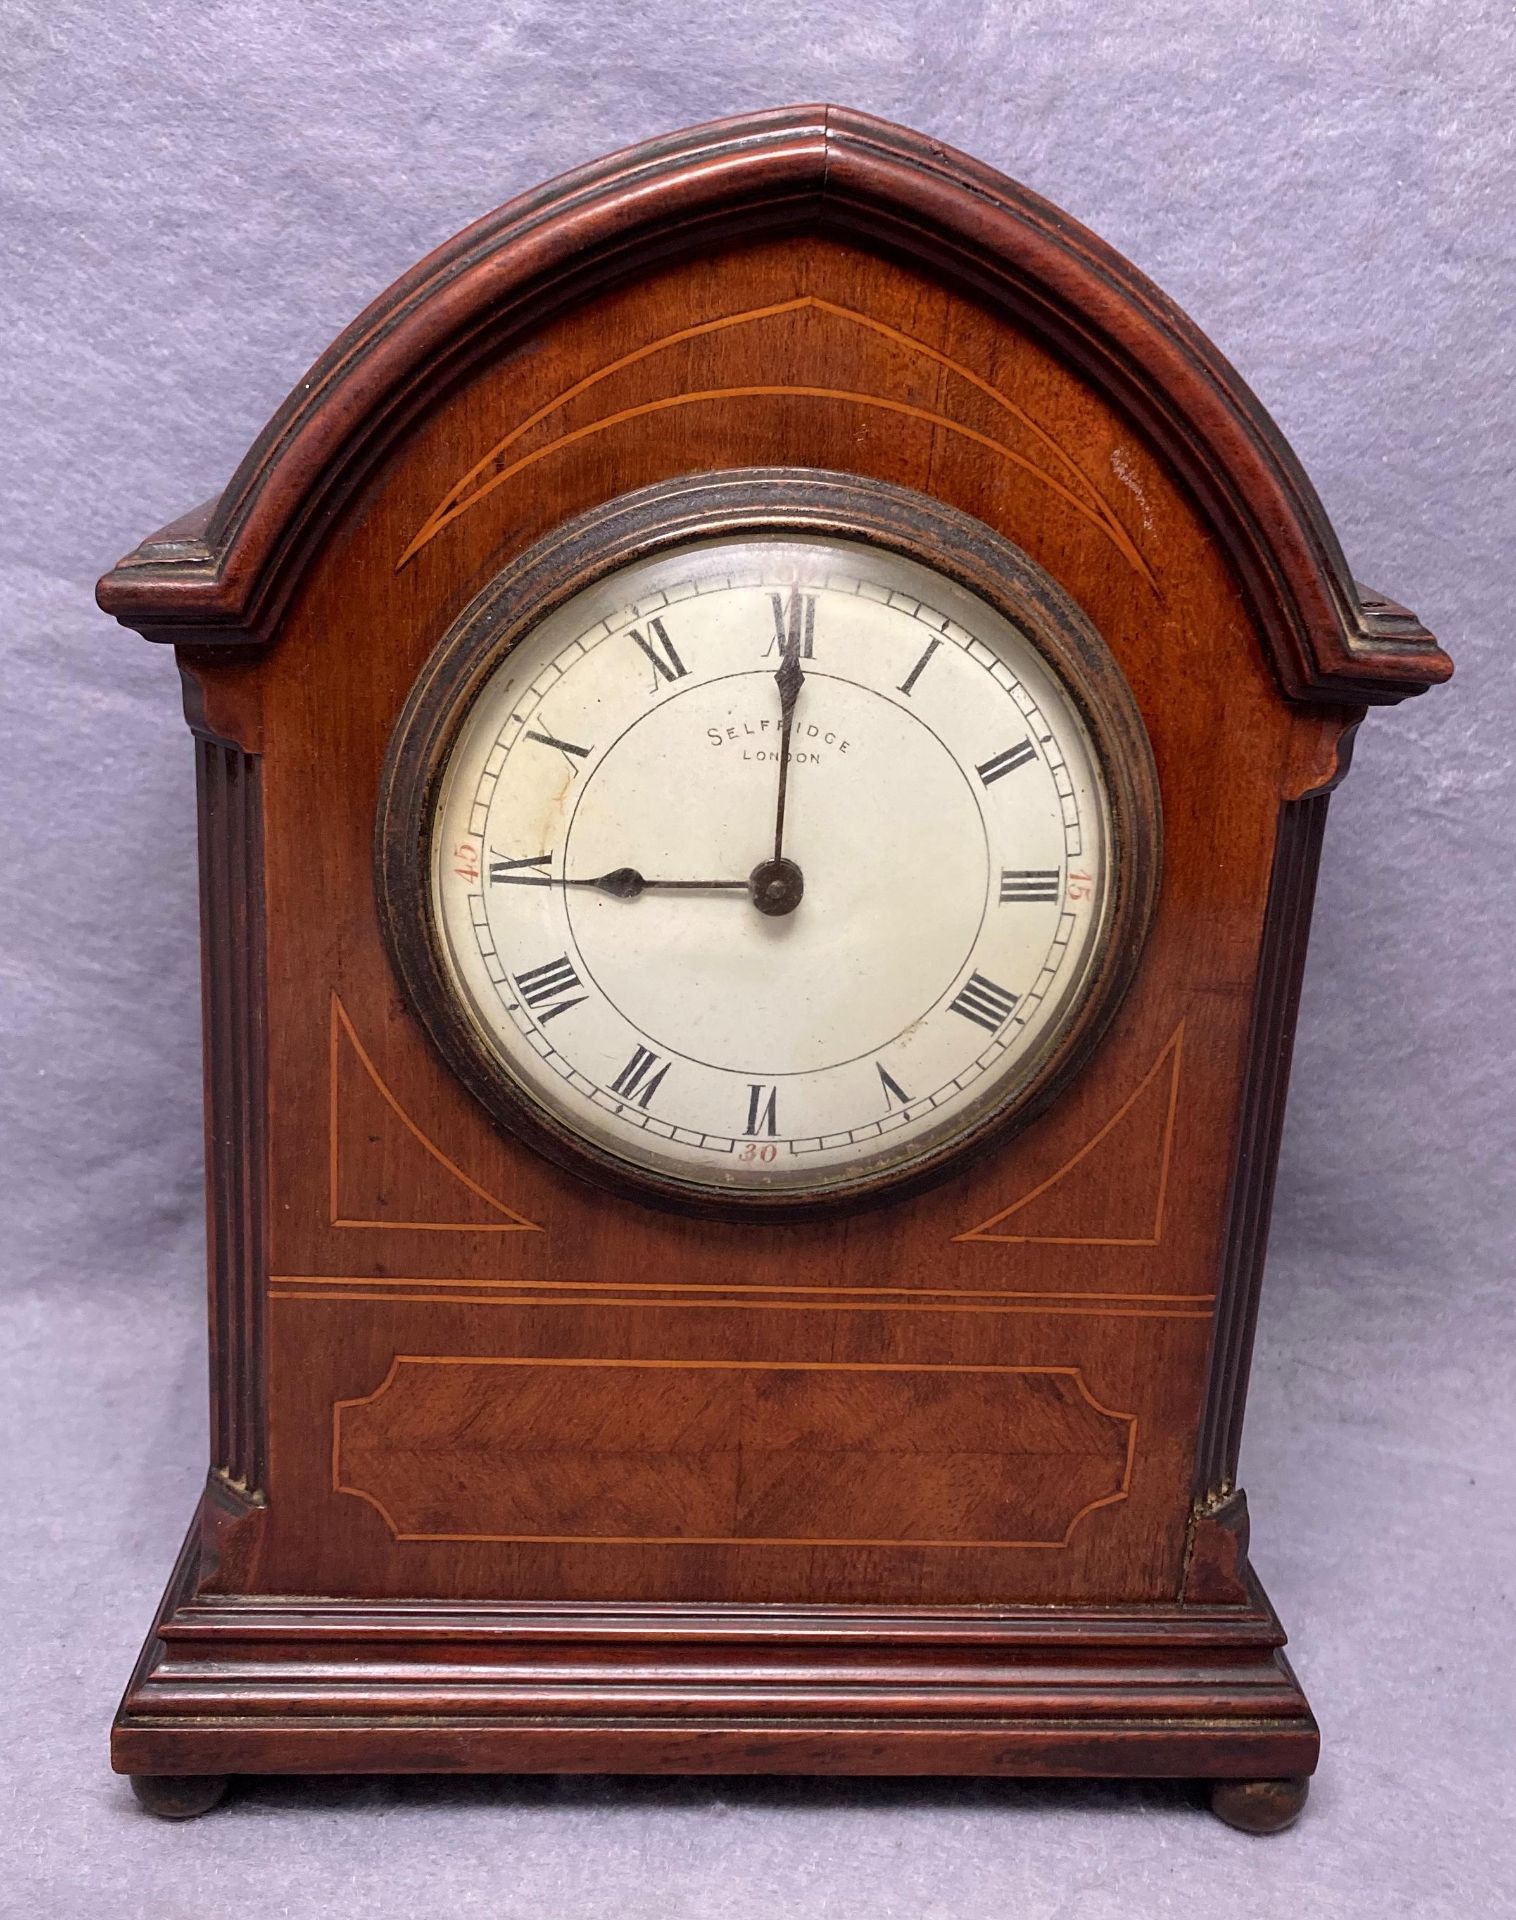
column 660, row 651
column 984, row 1003
column 915, row 673
column 794, row 624
column 893, row 1091
column 637, row 1081
column 563, row 746
column 521, row 873
column 1034, row 884
column 1006, row 762
column 762, row 1115
column 542, row 988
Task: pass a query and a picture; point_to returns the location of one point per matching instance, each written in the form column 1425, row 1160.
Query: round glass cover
column 771, row 864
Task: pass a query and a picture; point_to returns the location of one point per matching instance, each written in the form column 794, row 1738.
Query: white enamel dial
column 732, row 992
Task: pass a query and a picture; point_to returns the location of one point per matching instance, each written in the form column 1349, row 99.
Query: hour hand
column 774, row 886
column 621, row 883
column 625, row 883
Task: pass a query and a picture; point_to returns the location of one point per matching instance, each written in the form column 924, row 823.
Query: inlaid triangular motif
column 384, row 1171
column 812, row 333
column 1082, row 1205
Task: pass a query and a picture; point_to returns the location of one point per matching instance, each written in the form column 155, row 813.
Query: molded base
column 253, row 1684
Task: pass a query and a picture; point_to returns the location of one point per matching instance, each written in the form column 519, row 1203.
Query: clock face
column 769, row 863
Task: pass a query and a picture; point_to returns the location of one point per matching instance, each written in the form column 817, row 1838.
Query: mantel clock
column 764, row 721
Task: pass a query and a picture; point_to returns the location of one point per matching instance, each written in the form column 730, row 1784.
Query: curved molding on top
column 222, row 575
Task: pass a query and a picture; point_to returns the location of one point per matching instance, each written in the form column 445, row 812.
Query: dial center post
column 776, row 886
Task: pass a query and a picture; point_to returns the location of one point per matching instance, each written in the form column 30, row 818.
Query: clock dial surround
column 763, row 843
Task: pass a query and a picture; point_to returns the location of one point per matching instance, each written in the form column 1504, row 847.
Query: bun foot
column 179, row 1796
column 1259, row 1806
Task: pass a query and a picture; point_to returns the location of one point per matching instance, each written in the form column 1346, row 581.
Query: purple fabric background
column 193, row 200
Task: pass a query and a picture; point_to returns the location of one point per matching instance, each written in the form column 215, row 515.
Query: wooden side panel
column 1292, row 893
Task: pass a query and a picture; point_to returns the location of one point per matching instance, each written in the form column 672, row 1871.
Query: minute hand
column 789, row 679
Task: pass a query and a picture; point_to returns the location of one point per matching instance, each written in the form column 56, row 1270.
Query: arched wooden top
column 221, row 575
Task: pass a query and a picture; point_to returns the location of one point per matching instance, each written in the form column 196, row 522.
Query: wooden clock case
column 513, row 1474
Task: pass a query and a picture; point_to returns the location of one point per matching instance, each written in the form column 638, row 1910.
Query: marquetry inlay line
column 645, row 1364
column 341, row 1027
column 1171, row 1056
column 726, row 1287
column 715, row 1539
column 475, row 486
column 1071, row 1373
column 746, row 1306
